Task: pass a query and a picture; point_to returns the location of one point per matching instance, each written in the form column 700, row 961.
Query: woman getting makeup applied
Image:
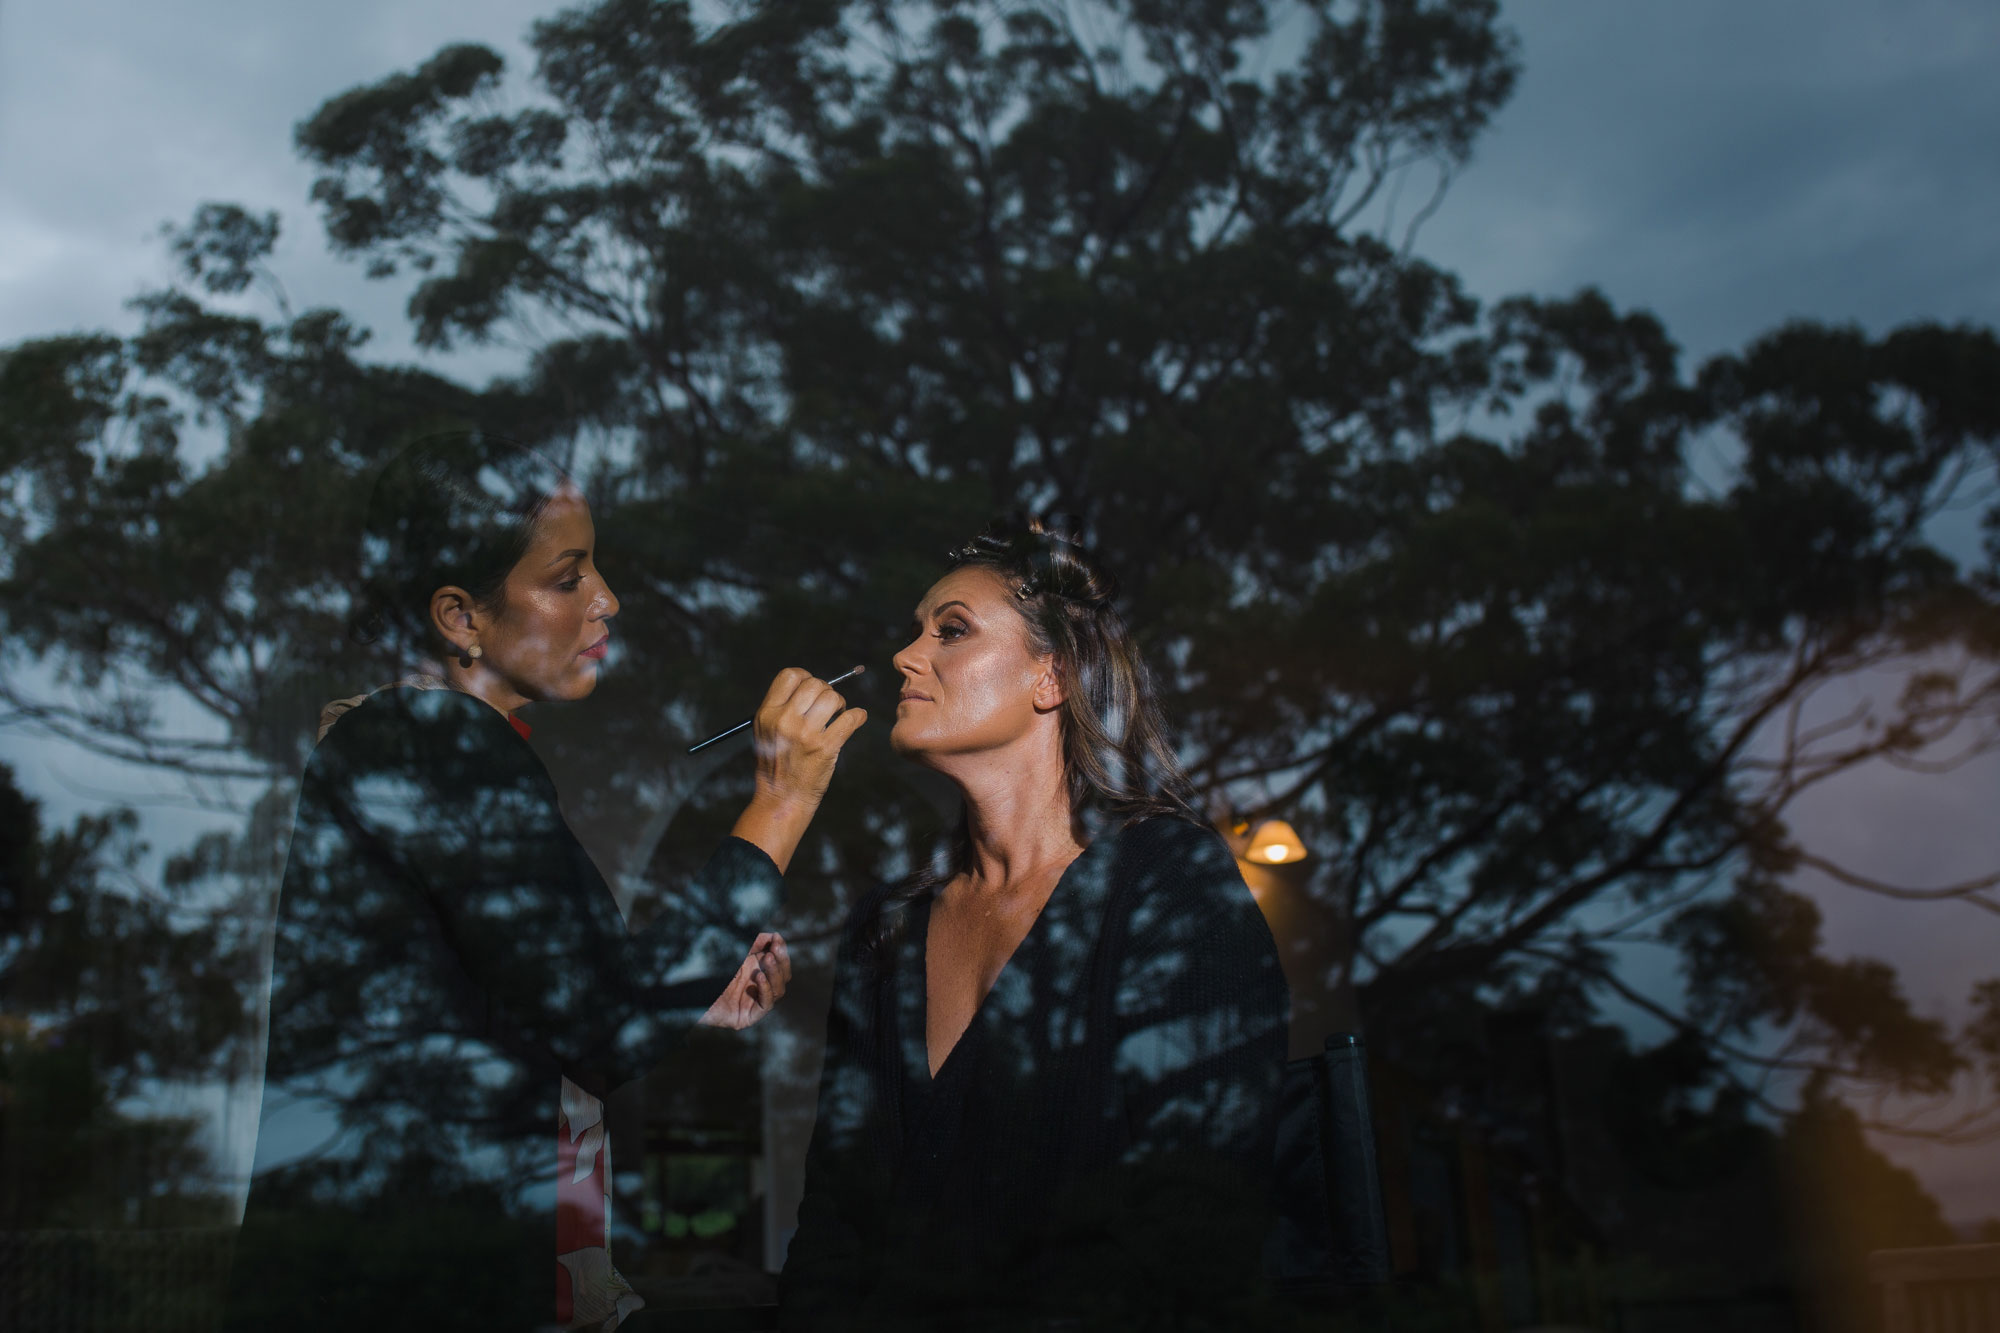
column 1053, row 1062
column 453, row 989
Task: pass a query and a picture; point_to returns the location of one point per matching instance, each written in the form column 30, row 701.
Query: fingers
column 760, row 982
column 798, row 704
column 771, row 954
column 783, row 686
column 823, row 703
column 766, row 972
column 817, row 715
column 799, row 734
column 814, row 701
column 775, row 963
column 844, row 726
column 797, row 690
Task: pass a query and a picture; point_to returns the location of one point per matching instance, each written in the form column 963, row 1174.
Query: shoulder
column 415, row 710
column 1163, row 855
column 1168, row 835
column 1181, row 883
column 421, row 734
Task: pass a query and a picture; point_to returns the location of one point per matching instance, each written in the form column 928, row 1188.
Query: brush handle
column 721, row 736
column 725, row 735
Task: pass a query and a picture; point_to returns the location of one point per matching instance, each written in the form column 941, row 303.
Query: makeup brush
column 725, row 735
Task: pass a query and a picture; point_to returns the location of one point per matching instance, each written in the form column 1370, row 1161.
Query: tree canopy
column 811, row 291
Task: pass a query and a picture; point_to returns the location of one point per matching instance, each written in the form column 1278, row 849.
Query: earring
column 466, row 655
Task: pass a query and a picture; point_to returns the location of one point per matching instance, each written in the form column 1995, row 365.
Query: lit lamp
column 1275, row 843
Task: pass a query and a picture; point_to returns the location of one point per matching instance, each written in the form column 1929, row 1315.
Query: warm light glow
column 1274, row 842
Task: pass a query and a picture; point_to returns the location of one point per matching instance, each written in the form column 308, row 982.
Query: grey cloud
column 1731, row 166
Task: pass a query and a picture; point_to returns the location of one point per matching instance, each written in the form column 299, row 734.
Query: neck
column 482, row 684
column 1017, row 812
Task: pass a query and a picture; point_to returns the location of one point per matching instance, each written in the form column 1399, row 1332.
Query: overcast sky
column 1727, row 164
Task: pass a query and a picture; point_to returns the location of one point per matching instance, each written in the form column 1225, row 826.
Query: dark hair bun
column 1043, row 558
column 457, row 508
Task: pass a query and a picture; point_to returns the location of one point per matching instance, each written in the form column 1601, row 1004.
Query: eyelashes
column 949, row 630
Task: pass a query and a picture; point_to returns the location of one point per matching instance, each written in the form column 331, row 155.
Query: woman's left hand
column 758, row 985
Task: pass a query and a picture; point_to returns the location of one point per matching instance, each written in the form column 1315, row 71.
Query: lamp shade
column 1275, row 843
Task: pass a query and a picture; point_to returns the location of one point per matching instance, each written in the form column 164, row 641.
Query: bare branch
column 1968, row 891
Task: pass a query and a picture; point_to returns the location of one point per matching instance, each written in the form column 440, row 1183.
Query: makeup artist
column 1053, row 1060
column 451, row 979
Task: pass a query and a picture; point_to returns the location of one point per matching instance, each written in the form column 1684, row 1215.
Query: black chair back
column 1330, row 1222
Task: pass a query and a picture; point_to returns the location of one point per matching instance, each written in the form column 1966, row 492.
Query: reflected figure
column 451, row 979
column 1054, row 1061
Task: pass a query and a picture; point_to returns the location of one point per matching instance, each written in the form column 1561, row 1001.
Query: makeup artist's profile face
column 971, row 680
column 549, row 639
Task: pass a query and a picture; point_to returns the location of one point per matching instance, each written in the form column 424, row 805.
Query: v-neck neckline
column 930, row 1078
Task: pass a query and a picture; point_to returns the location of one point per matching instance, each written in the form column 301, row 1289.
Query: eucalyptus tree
column 809, row 290
column 1445, row 588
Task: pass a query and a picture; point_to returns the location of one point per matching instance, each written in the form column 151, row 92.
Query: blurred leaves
column 110, row 989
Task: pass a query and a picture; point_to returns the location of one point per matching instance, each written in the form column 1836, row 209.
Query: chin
column 906, row 743
column 580, row 686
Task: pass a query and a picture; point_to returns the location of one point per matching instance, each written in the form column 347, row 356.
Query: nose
column 605, row 604
column 910, row 660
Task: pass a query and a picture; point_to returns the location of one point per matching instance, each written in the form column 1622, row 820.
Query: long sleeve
column 443, row 950
column 431, row 869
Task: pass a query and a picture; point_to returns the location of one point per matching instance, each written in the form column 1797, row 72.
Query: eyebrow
column 937, row 610
column 567, row 555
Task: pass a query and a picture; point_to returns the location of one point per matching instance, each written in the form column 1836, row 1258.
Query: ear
column 1049, row 692
column 454, row 616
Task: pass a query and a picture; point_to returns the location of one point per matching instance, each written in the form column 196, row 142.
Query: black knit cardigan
column 1095, row 1152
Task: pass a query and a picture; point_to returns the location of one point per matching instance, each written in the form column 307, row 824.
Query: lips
column 908, row 695
column 597, row 650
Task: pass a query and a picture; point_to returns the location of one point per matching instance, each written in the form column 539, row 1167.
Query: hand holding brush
column 725, row 735
column 799, row 728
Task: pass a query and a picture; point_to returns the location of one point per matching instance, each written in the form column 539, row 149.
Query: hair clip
column 1026, row 590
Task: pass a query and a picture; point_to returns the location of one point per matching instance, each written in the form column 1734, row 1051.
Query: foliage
column 812, row 291
column 109, row 988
